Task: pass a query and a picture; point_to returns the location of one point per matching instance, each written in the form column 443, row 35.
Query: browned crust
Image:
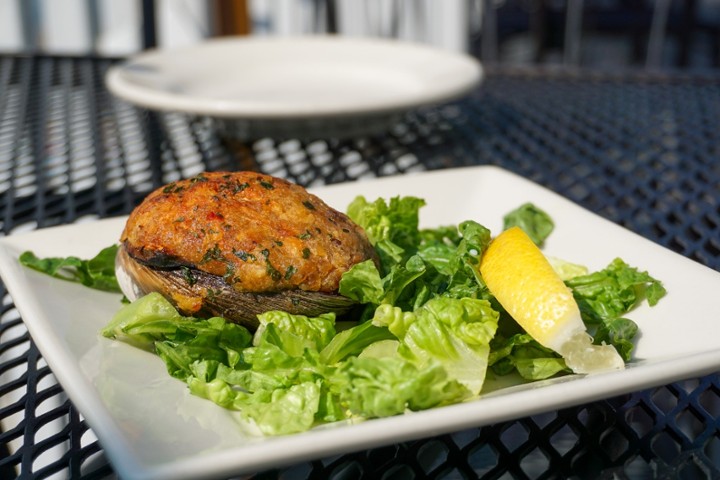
column 261, row 233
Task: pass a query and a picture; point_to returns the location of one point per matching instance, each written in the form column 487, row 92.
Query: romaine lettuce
column 396, row 221
column 97, row 273
column 381, row 387
column 454, row 333
column 521, row 353
column 295, row 371
column 604, row 297
column 391, row 227
column 532, row 220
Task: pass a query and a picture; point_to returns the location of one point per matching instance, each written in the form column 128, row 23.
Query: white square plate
column 151, row 427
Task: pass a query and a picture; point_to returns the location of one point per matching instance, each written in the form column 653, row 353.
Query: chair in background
column 640, row 33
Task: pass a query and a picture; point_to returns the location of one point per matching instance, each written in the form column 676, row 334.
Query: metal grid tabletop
column 639, row 149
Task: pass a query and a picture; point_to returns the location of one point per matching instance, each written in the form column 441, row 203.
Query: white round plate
column 294, row 79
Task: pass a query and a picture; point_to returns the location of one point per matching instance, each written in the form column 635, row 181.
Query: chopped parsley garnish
column 289, row 272
column 213, row 253
column 188, row 276
column 272, row 271
column 173, row 188
column 199, row 178
column 244, row 256
column 229, row 270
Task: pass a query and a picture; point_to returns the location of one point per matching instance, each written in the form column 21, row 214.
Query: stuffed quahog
column 235, row 244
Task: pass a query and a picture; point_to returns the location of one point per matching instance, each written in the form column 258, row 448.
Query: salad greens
column 416, row 265
column 97, row 273
column 536, row 223
column 429, row 332
column 280, row 378
column 604, row 296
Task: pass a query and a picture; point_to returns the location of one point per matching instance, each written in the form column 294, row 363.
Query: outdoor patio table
column 639, row 148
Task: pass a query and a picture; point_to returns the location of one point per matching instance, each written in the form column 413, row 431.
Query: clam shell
column 200, row 294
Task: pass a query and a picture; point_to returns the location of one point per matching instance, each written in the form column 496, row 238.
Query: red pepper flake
column 215, row 216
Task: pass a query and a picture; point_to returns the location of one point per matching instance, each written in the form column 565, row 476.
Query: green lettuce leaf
column 400, row 277
column 295, row 333
column 381, row 387
column 285, row 411
column 438, row 248
column 614, row 291
column 279, row 411
column 97, row 272
column 396, row 221
column 353, row 341
column 438, row 268
column 144, row 321
column 392, row 227
column 535, row 222
column 618, row 332
column 521, row 353
column 454, row 333
column 153, row 323
column 362, row 282
column 604, row 297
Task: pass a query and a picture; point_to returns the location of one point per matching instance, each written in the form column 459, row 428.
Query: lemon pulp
column 520, row 277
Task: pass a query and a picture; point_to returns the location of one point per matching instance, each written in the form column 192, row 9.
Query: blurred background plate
column 297, row 86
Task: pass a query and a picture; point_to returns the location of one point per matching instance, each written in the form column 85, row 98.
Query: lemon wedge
column 520, row 277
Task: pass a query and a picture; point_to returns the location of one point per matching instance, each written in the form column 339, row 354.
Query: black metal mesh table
column 640, row 149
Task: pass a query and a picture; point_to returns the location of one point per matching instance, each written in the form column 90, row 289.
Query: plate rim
column 145, row 96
